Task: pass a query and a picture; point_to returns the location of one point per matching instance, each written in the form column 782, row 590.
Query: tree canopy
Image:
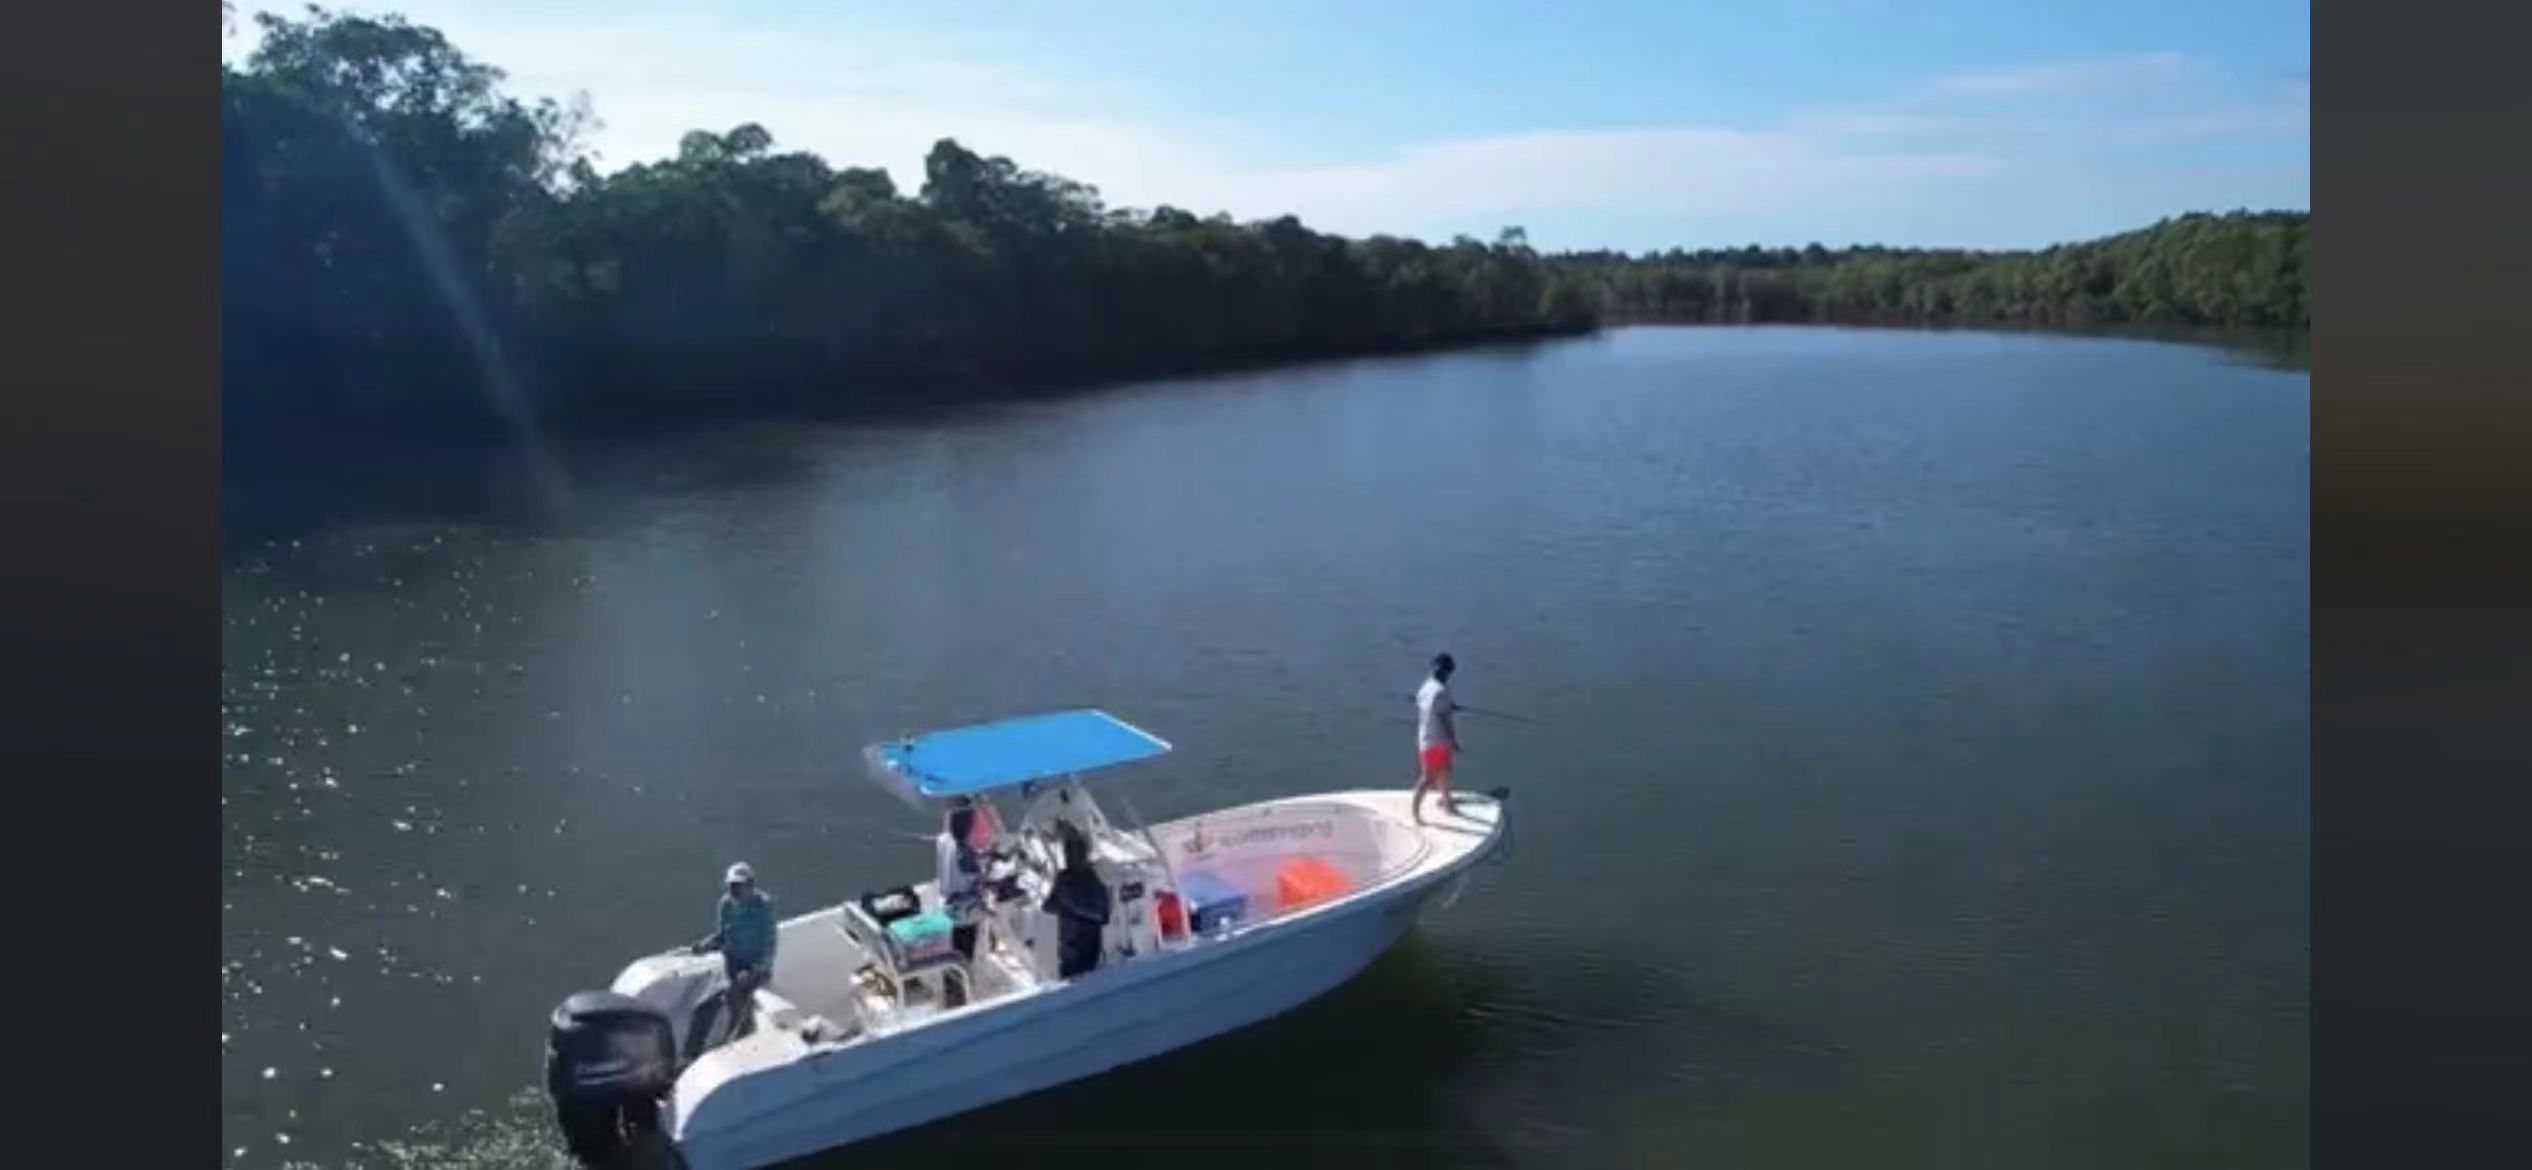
column 406, row 247
column 2242, row 269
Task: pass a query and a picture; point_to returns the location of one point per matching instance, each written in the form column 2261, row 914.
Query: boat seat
column 774, row 1011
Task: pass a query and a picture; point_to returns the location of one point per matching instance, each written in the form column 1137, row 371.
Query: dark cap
column 1442, row 662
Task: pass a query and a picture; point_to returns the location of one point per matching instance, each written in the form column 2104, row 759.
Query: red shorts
column 1435, row 756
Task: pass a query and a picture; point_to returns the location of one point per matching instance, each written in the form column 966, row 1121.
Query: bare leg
column 1423, row 784
column 1442, row 781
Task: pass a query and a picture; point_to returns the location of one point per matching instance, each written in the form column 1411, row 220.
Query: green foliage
column 2243, row 269
column 366, row 164
column 401, row 241
column 406, row 248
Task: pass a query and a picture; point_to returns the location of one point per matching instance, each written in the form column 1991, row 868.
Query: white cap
column 740, row 873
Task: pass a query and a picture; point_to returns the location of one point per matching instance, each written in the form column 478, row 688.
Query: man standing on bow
column 1436, row 738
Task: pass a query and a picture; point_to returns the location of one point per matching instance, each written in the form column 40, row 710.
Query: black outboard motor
column 609, row 1063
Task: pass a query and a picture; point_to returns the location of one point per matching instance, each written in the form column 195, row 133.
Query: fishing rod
column 1494, row 714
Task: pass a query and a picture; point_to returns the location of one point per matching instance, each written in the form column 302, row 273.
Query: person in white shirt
column 961, row 875
column 1436, row 738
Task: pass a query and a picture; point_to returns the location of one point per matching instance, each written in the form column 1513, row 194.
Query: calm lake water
column 1925, row 784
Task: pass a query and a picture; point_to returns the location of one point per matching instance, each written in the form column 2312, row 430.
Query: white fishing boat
column 871, row 1022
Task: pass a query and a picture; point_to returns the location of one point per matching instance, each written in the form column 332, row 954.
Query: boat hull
column 1081, row 1029
column 781, row 1095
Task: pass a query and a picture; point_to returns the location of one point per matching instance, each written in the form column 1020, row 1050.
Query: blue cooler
column 1212, row 904
column 922, row 938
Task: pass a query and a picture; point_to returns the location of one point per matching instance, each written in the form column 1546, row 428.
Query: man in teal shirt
column 746, row 935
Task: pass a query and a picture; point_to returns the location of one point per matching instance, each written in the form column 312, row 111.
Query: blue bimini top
column 965, row 761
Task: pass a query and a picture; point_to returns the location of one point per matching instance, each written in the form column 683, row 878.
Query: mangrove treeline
column 406, row 247
column 2240, row 270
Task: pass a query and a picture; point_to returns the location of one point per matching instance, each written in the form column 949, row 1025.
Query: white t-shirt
column 1433, row 708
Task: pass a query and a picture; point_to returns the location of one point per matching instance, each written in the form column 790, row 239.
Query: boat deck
column 763, row 1097
column 824, row 990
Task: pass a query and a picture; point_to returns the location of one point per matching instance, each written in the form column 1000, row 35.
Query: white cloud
column 2226, row 122
column 1718, row 172
column 853, row 91
column 2067, row 77
column 861, row 92
column 1892, row 123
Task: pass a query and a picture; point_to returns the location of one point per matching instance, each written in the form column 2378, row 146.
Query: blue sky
column 1629, row 125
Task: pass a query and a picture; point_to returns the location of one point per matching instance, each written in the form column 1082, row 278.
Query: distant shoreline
column 260, row 460
column 2286, row 348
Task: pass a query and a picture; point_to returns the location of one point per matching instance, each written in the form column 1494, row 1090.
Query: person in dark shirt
column 746, row 934
column 1080, row 905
